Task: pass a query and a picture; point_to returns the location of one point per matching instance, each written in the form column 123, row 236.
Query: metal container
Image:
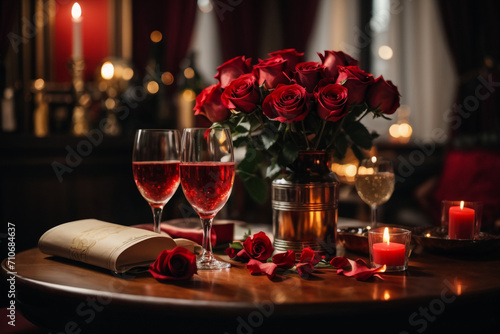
column 305, row 206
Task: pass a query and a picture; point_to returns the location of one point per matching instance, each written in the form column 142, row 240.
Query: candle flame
column 461, row 205
column 107, row 70
column 76, row 10
column 386, row 235
column 374, row 159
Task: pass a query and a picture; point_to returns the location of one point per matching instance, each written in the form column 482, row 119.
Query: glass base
column 212, row 264
column 391, row 268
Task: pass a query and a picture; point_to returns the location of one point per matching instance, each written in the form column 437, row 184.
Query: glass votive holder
column 389, row 246
column 462, row 219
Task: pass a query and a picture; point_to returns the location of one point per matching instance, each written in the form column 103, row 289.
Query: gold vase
column 305, row 205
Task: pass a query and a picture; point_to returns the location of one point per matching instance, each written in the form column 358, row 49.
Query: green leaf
column 273, row 169
column 252, row 160
column 269, row 136
column 341, row 144
column 359, row 134
column 247, row 234
column 288, row 154
column 357, row 152
column 236, row 245
column 255, row 186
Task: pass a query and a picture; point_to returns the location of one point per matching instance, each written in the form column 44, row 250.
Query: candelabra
column 80, row 121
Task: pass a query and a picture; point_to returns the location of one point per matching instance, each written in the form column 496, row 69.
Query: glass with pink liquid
column 155, row 163
column 207, row 175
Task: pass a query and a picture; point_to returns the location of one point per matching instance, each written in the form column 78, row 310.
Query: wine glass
column 155, row 163
column 374, row 183
column 207, row 176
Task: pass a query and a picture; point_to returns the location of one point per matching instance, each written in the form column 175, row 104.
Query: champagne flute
column 155, row 163
column 207, row 175
column 375, row 183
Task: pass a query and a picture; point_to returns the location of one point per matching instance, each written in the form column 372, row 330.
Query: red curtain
column 8, row 15
column 297, row 18
column 471, row 166
column 9, row 11
column 473, row 33
column 240, row 25
column 175, row 20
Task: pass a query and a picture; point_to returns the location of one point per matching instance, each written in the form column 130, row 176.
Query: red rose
column 286, row 104
column 383, row 95
column 331, row 101
column 291, row 55
column 209, row 104
column 356, row 82
column 176, row 264
column 310, row 256
column 272, row 72
column 259, row 247
column 232, row 69
column 308, row 74
column 285, row 260
column 231, row 252
column 332, row 59
column 242, row 94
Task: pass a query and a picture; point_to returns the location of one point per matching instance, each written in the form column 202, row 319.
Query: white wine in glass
column 375, row 183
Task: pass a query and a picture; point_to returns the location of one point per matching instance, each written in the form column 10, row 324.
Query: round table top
column 56, row 293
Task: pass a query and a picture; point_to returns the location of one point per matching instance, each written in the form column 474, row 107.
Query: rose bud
column 285, row 260
column 272, row 72
column 308, row 74
column 232, row 69
column 291, row 55
column 209, row 104
column 383, row 95
column 356, row 82
column 332, row 59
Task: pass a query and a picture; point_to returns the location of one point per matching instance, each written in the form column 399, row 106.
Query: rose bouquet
column 281, row 106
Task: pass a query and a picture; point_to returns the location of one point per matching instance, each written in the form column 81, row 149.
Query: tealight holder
column 389, row 246
column 462, row 219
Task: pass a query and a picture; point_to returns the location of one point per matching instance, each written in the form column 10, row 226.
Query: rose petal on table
column 339, row 262
column 255, row 267
column 285, row 260
column 359, row 268
column 304, row 269
column 242, row 254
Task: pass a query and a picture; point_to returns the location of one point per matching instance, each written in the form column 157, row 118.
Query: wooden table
column 437, row 293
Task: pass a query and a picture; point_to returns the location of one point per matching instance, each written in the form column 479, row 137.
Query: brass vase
column 305, row 205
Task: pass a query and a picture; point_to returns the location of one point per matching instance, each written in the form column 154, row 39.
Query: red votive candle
column 390, row 254
column 461, row 222
column 389, row 248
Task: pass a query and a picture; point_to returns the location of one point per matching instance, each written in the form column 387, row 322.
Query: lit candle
column 76, row 13
column 390, row 254
column 461, row 222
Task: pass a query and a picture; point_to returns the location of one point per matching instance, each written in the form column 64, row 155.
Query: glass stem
column 157, row 213
column 373, row 215
column 207, row 243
